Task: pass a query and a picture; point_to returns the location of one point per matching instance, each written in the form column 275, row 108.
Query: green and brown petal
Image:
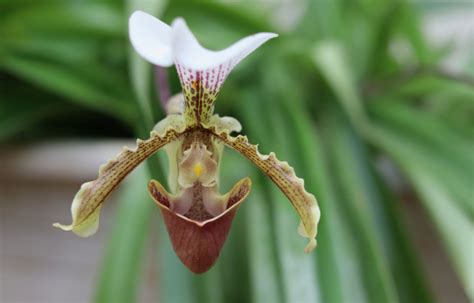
column 88, row 200
column 283, row 175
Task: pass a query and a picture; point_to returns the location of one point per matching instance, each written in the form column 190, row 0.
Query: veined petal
column 198, row 243
column 202, row 72
column 86, row 205
column 151, row 38
column 284, row 177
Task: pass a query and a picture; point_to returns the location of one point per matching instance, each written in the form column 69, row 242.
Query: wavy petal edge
column 283, row 175
column 87, row 202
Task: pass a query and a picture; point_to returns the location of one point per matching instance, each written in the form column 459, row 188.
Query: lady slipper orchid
column 197, row 216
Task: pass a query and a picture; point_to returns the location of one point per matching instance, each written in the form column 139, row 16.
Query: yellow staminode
column 198, row 168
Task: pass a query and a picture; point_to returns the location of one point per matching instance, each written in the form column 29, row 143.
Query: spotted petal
column 89, row 199
column 284, row 177
column 202, row 72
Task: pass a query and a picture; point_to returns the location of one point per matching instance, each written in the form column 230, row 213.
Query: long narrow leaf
column 435, row 147
column 119, row 278
column 453, row 224
column 361, row 199
column 299, row 276
column 331, row 62
column 79, row 88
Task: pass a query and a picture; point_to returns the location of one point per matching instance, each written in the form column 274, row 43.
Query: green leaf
column 338, row 265
column 433, row 83
column 330, row 61
column 454, row 227
column 435, row 147
column 410, row 27
column 91, row 86
column 265, row 269
column 120, row 273
column 295, row 269
column 66, row 50
column 62, row 18
column 322, row 19
column 367, row 197
column 339, row 277
column 264, row 275
column 233, row 263
column 361, row 201
column 298, row 269
column 20, row 110
column 454, row 224
column 239, row 17
column 176, row 284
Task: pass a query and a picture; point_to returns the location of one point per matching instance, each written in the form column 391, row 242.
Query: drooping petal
column 198, row 243
column 284, row 177
column 202, row 72
column 151, row 38
column 86, row 205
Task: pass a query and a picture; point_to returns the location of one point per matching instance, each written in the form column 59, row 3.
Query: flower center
column 198, row 162
column 197, row 169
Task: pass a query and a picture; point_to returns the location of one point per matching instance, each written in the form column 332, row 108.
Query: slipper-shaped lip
column 198, row 244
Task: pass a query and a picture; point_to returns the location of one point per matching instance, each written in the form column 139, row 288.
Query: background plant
column 330, row 95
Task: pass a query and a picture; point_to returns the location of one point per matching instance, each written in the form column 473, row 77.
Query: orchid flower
column 197, row 216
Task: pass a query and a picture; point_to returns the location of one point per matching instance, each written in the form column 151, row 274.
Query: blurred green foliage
column 330, row 95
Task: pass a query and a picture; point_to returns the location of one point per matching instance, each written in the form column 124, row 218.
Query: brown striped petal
column 88, row 200
column 198, row 243
column 284, row 177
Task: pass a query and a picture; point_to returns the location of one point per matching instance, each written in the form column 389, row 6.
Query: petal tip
column 81, row 231
column 178, row 22
column 63, row 227
column 268, row 35
column 137, row 14
column 312, row 237
column 310, row 246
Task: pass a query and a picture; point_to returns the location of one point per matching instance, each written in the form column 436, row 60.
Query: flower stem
column 162, row 85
